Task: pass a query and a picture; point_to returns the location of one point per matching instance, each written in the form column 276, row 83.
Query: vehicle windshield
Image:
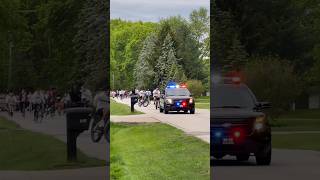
column 232, row 97
column 177, row 92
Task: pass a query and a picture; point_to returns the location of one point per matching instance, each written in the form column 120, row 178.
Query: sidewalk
column 56, row 127
column 197, row 124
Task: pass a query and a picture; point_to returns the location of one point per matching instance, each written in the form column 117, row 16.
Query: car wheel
column 161, row 110
column 263, row 156
column 166, row 111
column 243, row 157
column 192, row 111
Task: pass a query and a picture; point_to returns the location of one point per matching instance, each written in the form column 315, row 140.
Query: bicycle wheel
column 107, row 131
column 146, row 103
column 96, row 131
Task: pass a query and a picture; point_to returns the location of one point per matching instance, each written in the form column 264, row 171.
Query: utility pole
column 10, row 42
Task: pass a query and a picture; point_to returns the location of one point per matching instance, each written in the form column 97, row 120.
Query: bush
column 196, row 87
column 273, row 79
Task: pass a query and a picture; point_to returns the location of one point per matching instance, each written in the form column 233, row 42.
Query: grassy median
column 157, row 151
column 119, row 109
column 25, row 150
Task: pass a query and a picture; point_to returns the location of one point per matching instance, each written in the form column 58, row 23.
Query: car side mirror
column 264, row 105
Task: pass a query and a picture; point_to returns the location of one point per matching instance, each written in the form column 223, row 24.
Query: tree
column 273, row 79
column 237, row 56
column 195, row 87
column 143, row 71
column 167, row 67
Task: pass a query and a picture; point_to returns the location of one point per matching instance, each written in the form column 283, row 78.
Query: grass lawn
column 300, row 120
column 296, row 141
column 25, row 150
column 121, row 109
column 203, row 102
column 157, row 151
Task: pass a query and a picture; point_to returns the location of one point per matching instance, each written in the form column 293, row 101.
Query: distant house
column 314, row 97
column 310, row 99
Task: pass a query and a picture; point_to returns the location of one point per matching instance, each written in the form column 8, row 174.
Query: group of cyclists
column 40, row 102
column 144, row 96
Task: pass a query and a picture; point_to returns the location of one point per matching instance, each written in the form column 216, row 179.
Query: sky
column 154, row 10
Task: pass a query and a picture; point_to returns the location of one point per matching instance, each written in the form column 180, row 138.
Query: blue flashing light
column 172, row 84
column 218, row 134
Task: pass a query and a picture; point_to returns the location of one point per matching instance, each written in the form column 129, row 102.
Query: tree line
column 53, row 43
column 274, row 43
column 148, row 55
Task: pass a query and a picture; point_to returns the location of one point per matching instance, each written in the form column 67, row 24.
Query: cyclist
column 37, row 100
column 23, row 101
column 11, row 102
column 86, row 95
column 156, row 96
column 100, row 124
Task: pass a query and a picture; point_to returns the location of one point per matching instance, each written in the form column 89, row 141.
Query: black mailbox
column 78, row 120
column 134, row 100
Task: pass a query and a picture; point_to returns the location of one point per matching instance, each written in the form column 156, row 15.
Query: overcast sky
column 154, row 10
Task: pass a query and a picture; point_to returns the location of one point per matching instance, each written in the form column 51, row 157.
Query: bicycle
column 144, row 101
column 100, row 127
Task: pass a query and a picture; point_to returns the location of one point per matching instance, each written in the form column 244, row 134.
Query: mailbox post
column 134, row 100
column 78, row 120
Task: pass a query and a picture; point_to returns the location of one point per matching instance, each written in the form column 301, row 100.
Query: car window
column 177, row 92
column 229, row 96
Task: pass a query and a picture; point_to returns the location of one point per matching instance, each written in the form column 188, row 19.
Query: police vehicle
column 177, row 98
column 238, row 123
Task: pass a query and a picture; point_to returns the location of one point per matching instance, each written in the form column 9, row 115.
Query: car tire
column 192, row 111
column 166, row 111
column 243, row 157
column 263, row 156
column 160, row 109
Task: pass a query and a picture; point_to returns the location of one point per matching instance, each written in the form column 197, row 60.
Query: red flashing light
column 182, row 85
column 238, row 135
column 184, row 104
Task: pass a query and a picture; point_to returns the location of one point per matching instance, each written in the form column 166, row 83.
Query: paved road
column 286, row 164
column 57, row 127
column 197, row 124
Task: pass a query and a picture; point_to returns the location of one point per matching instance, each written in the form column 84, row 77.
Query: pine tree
column 167, row 68
column 91, row 44
column 237, row 56
column 144, row 72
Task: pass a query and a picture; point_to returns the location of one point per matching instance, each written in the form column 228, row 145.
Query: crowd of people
column 143, row 95
column 42, row 103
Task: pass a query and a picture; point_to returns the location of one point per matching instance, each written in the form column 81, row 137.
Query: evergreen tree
column 237, row 56
column 143, row 71
column 91, row 44
column 167, row 67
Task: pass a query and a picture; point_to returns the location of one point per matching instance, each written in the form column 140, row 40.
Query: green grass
column 296, row 141
column 121, row 109
column 302, row 113
column 157, row 151
column 296, row 124
column 300, row 120
column 25, row 150
column 203, row 102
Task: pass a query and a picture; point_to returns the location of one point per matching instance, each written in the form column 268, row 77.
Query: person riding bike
column 38, row 102
column 156, row 96
column 11, row 102
column 101, row 124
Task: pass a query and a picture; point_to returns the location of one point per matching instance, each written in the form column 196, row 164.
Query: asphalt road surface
column 197, row 124
column 286, row 164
